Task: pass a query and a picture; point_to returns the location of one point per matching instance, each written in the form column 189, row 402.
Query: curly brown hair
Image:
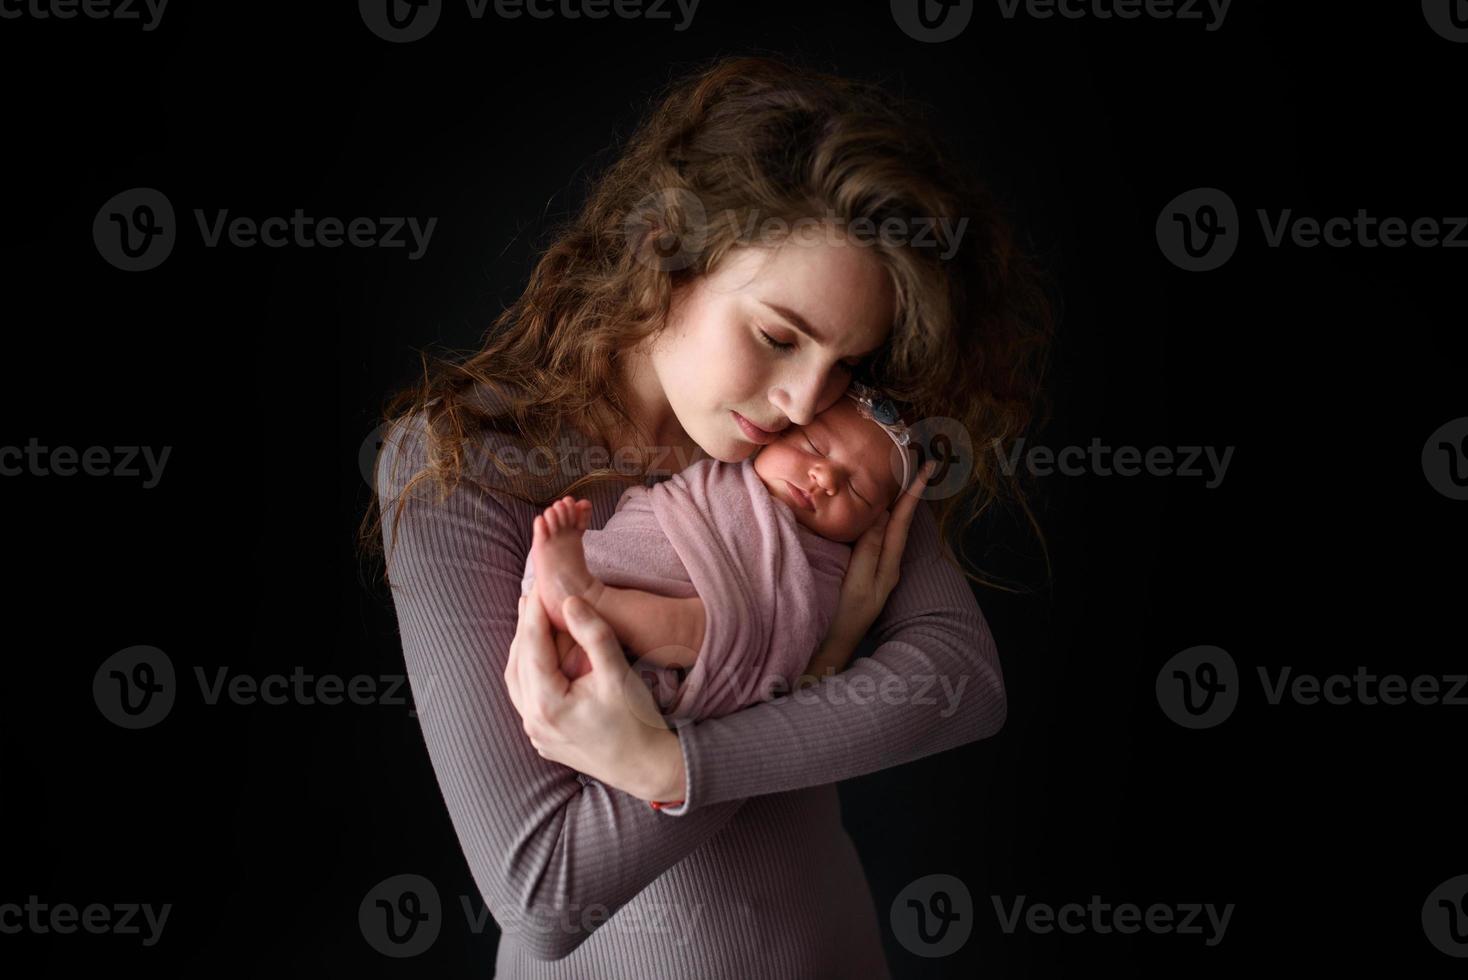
column 737, row 142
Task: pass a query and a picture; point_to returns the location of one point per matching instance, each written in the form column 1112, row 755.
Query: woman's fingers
column 894, row 541
column 512, row 669
column 863, row 562
column 596, row 637
column 538, row 667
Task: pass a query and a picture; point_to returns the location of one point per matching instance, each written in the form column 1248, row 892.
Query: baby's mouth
column 801, row 498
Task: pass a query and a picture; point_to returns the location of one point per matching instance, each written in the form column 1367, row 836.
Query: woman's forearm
column 931, row 683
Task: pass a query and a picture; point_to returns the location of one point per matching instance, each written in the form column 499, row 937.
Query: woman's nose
column 808, row 397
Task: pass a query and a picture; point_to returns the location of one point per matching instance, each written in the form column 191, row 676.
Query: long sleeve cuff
column 677, row 808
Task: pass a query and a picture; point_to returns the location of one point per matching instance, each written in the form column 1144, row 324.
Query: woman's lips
column 753, row 432
column 800, row 496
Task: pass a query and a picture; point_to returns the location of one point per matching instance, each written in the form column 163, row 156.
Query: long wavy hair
column 720, row 152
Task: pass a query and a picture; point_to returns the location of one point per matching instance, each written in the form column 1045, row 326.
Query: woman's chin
column 737, row 451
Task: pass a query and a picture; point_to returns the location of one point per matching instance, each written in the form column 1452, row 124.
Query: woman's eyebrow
column 800, row 323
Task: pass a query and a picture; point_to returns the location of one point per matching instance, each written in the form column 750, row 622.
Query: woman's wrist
column 835, row 652
column 667, row 776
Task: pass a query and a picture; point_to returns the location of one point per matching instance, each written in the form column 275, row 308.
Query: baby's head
column 838, row 473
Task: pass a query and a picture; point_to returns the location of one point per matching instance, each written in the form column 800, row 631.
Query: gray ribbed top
column 753, row 876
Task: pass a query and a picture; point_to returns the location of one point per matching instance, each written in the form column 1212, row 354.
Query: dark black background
column 1324, row 548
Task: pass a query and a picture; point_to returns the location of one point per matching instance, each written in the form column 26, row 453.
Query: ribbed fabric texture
column 753, row 875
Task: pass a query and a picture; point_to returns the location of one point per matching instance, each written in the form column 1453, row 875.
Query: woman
column 768, row 233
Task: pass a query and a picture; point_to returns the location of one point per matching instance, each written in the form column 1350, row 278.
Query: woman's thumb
column 592, row 632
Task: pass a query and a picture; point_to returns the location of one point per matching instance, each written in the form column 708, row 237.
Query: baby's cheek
column 849, row 527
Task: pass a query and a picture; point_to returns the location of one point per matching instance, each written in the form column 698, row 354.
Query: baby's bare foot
column 560, row 561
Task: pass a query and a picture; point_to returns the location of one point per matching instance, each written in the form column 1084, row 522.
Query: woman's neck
column 672, row 449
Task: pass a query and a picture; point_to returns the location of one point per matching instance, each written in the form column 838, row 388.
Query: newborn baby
column 749, row 554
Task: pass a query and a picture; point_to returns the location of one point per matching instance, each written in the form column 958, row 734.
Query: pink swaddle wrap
column 769, row 585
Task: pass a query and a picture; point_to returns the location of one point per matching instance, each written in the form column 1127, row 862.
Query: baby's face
column 845, row 465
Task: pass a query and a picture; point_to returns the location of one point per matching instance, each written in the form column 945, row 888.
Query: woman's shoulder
column 521, row 472
column 491, row 458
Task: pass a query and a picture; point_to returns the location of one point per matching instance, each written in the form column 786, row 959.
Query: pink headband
column 872, row 404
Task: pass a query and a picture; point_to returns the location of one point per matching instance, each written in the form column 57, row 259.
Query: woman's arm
column 545, row 845
column 932, row 683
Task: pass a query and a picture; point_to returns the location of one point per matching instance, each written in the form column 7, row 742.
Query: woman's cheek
column 743, row 367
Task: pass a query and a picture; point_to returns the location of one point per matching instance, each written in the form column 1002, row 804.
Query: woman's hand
column 604, row 722
column 572, row 657
column 871, row 575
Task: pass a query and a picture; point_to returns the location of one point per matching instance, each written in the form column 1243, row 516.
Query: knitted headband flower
column 873, row 404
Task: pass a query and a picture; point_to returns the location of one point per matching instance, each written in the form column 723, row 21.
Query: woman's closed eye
column 788, row 345
column 777, row 344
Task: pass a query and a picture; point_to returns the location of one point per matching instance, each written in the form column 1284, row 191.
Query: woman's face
column 823, row 305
